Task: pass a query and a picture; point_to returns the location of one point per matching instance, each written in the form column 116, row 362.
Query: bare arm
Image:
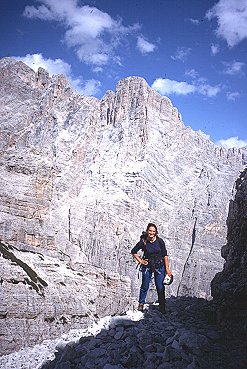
column 140, row 260
column 167, row 266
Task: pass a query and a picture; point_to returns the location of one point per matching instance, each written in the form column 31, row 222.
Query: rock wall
column 81, row 178
column 229, row 287
column 42, row 297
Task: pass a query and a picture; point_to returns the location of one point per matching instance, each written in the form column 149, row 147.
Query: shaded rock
column 188, row 346
column 229, row 286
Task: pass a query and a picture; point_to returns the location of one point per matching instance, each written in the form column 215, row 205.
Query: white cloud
column 232, row 20
column 42, row 12
column 232, row 142
column 144, row 46
column 215, row 49
column 234, row 68
column 208, row 90
column 98, row 70
column 232, row 96
column 192, row 73
column 204, row 88
column 91, row 87
column 94, row 35
column 168, row 87
column 59, row 66
column 117, row 60
column 194, row 21
column 181, row 53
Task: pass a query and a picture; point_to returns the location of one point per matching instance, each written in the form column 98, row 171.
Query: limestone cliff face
column 41, row 297
column 229, row 287
column 47, row 283
column 81, row 178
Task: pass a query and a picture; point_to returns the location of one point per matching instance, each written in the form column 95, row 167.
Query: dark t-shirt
column 155, row 249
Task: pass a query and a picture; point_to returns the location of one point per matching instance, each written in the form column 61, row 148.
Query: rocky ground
column 186, row 337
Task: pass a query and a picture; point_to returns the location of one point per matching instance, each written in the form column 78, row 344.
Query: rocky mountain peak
column 82, row 177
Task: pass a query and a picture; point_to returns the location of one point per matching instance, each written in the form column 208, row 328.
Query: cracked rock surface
column 81, row 177
column 79, row 180
column 41, row 298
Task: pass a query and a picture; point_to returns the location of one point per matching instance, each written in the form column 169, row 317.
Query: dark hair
column 152, row 225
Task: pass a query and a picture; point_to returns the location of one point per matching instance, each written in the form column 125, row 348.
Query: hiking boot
column 140, row 307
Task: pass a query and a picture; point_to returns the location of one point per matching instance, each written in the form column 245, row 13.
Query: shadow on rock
column 229, row 287
column 186, row 337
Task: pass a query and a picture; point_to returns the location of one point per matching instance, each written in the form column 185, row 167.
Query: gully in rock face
column 154, row 261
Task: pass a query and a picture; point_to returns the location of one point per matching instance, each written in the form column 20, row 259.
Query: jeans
column 159, row 275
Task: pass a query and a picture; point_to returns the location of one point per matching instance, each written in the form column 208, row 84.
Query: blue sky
column 193, row 51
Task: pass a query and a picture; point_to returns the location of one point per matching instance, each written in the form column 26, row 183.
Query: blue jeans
column 159, row 275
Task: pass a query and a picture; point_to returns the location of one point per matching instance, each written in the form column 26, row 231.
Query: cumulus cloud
column 169, row 87
column 215, row 49
column 231, row 16
column 232, row 142
column 181, row 53
column 232, row 96
column 94, row 35
column 234, row 68
column 59, row 66
column 144, row 46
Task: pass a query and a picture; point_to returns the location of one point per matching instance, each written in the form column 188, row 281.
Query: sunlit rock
column 82, row 177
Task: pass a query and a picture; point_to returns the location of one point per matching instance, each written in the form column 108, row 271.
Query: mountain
column 80, row 180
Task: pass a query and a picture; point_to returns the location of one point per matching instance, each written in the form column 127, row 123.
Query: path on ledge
column 186, row 337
